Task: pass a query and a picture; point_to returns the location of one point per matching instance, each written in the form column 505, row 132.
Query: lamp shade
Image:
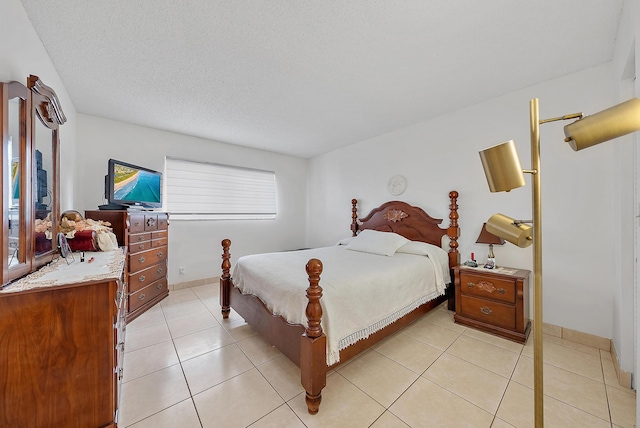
column 505, row 227
column 604, row 126
column 502, row 167
column 488, row 238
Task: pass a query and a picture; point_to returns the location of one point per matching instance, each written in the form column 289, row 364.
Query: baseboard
column 194, row 283
column 624, row 378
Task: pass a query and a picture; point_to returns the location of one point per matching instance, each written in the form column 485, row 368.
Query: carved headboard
column 411, row 222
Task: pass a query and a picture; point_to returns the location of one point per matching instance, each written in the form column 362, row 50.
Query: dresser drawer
column 163, row 221
column 136, row 223
column 145, row 259
column 159, row 234
column 139, row 243
column 486, row 287
column 141, row 279
column 160, row 238
column 488, row 311
column 159, row 242
column 150, row 222
column 147, row 294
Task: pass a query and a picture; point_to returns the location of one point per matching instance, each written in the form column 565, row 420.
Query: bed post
column 313, row 346
column 225, row 279
column 453, row 232
column 354, row 217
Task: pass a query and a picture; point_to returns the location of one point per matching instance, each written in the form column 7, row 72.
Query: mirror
column 15, row 108
column 47, row 118
column 43, row 188
column 30, row 117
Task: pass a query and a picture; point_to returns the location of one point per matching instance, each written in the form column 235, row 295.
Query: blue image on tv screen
column 136, row 185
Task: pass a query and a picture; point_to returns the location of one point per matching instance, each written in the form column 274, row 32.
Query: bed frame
column 306, row 347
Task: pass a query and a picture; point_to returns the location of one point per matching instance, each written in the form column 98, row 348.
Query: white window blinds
column 203, row 191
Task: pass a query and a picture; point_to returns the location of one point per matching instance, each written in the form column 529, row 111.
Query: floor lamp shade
column 519, row 234
column 604, row 126
column 502, row 167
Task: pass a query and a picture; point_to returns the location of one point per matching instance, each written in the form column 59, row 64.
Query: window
column 208, row 191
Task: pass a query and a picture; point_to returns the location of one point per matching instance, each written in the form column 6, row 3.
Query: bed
column 305, row 341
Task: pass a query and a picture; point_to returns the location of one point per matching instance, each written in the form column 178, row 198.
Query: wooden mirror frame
column 46, row 107
column 21, row 254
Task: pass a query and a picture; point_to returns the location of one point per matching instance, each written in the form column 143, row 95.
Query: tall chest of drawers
column 146, row 235
column 496, row 301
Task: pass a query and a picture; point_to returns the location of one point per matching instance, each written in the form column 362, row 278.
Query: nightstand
column 493, row 300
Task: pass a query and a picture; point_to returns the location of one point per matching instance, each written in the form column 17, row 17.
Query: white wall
column 439, row 155
column 624, row 66
column 22, row 54
column 195, row 245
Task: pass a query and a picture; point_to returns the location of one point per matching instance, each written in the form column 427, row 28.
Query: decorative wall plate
column 397, row 185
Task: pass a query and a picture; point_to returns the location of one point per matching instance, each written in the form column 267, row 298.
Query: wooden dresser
column 62, row 343
column 496, row 301
column 145, row 234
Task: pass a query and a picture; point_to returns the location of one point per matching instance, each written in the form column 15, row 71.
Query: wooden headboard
column 411, row 222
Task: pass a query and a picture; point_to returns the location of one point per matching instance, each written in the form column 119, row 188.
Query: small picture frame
column 490, row 263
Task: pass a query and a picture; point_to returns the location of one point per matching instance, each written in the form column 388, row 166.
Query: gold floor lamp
column 502, row 168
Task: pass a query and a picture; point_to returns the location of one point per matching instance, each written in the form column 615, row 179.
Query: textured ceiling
column 304, row 77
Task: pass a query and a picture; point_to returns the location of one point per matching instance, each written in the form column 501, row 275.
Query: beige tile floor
column 186, row 367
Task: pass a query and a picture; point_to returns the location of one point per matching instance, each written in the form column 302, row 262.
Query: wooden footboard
column 307, row 348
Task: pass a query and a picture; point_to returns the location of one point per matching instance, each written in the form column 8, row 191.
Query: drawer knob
column 485, row 310
column 141, row 278
column 141, row 259
column 159, row 286
column 141, row 297
column 140, row 238
column 159, row 253
column 501, row 290
column 142, row 246
column 159, row 271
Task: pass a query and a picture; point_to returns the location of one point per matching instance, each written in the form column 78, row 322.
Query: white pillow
column 372, row 241
column 435, row 253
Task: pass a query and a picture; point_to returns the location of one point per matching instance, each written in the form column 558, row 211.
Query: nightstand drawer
column 490, row 312
column 484, row 286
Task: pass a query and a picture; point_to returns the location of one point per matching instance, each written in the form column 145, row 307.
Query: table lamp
column 488, row 238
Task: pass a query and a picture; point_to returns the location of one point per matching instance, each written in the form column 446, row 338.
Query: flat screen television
column 132, row 185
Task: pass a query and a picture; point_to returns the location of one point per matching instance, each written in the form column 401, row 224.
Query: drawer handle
column 159, row 286
column 141, row 246
column 141, row 278
column 159, row 253
column 140, row 238
column 485, row 310
column 470, row 284
column 501, row 290
column 141, row 259
column 141, row 297
column 159, row 271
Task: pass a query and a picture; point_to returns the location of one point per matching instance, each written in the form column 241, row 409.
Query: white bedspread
column 362, row 293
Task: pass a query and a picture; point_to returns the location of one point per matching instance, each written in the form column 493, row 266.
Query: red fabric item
column 84, row 240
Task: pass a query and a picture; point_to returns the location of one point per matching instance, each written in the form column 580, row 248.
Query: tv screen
column 129, row 184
